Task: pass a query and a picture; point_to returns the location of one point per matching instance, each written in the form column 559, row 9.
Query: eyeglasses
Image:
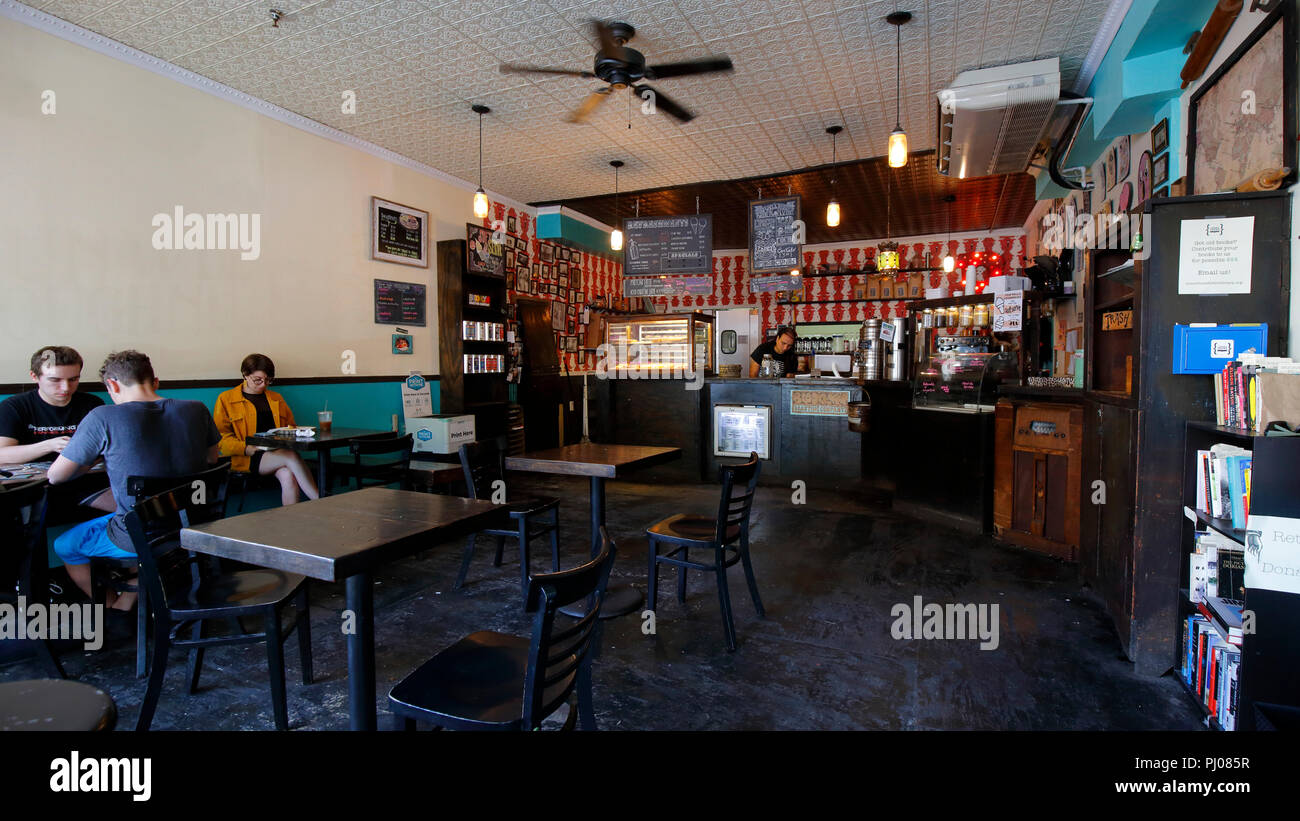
column 257, row 380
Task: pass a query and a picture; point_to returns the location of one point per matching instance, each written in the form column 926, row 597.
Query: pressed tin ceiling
column 415, row 68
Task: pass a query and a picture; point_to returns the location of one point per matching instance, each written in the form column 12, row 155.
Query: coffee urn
column 896, row 351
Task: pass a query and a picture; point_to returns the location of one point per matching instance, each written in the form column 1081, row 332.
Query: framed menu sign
column 399, row 303
column 773, row 229
column 668, row 245
column 482, row 254
column 399, row 233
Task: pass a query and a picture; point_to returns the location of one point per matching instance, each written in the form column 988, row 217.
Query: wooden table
column 600, row 463
column 346, row 537
column 323, row 443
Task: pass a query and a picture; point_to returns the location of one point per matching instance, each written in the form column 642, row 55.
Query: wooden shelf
column 1221, row 526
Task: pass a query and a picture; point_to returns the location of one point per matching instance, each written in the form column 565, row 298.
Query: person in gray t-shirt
column 140, row 434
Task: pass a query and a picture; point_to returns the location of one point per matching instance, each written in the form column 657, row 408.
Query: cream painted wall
column 80, row 188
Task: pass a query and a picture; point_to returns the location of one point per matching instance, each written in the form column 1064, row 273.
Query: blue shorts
column 88, row 540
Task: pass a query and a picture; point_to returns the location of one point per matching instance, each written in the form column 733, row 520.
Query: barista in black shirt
column 781, row 349
column 36, row 425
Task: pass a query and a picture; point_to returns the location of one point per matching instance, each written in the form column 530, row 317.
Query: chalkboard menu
column 664, row 286
column 668, row 245
column 772, row 229
column 399, row 233
column 399, row 303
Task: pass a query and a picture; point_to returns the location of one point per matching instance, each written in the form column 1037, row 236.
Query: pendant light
column 833, row 207
column 480, row 196
column 949, row 261
column 898, row 137
column 616, row 236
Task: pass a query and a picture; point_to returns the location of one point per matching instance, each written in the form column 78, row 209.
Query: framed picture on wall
column 1241, row 120
column 1160, row 137
column 512, row 224
column 562, row 267
column 1160, row 170
column 1144, row 177
column 575, row 257
column 546, row 251
column 564, row 280
column 510, row 259
column 522, row 259
column 564, row 253
column 482, row 255
column 1109, row 164
column 399, row 233
column 1123, row 149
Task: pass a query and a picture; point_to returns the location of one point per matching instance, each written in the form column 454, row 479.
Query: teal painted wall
column 566, row 229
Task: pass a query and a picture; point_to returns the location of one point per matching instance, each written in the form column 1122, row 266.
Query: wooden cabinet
column 466, row 384
column 1037, row 469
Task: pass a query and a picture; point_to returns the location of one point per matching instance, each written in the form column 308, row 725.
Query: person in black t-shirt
column 36, row 426
column 782, row 352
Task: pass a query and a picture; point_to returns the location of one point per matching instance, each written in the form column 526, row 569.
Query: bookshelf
column 1270, row 662
column 466, row 383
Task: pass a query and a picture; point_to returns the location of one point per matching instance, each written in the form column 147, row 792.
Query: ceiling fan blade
column 705, row 65
column 665, row 103
column 589, row 105
column 605, row 37
column 515, row 68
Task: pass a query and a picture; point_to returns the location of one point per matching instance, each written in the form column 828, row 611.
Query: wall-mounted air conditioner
column 991, row 119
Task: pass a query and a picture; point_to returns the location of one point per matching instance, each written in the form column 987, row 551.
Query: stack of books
column 1211, row 669
column 1239, row 392
column 1223, row 483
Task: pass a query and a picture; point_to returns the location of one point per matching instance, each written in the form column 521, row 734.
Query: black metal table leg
column 361, row 651
column 323, row 471
column 619, row 599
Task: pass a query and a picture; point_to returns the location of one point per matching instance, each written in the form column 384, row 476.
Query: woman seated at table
column 250, row 408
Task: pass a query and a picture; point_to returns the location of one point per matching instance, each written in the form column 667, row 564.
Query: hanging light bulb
column 480, row 196
column 949, row 264
column 898, row 137
column 616, row 236
column 833, row 207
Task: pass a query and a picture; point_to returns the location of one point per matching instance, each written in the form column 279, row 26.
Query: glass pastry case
column 669, row 343
column 959, row 360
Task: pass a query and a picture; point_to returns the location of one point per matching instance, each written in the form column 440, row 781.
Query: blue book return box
column 1205, row 349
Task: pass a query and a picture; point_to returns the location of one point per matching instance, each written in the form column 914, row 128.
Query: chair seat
column 526, row 505
column 684, row 527
column 51, row 704
column 478, row 682
column 237, row 591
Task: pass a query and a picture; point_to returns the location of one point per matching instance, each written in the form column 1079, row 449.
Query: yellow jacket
column 236, row 420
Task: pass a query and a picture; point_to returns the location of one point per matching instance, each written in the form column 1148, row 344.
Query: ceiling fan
column 622, row 67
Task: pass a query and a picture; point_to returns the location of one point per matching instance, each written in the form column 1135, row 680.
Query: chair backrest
column 738, row 484
column 207, row 488
column 22, row 520
column 155, row 524
column 557, row 653
column 382, row 472
column 483, row 463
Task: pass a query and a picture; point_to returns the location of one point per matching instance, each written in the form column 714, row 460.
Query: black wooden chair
column 122, row 575
column 484, row 466
column 185, row 593
column 394, row 470
column 727, row 536
column 22, row 525
column 494, row 681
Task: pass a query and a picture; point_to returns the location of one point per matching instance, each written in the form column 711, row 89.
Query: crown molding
column 49, row 24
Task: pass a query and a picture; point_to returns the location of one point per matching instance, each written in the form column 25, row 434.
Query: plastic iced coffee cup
column 325, row 419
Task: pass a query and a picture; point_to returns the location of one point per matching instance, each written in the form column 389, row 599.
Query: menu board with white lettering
column 667, row 286
column 739, row 430
column 399, row 303
column 775, row 241
column 668, row 245
column 398, row 233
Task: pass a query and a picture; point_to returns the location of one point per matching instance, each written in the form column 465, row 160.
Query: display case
column 667, row 346
column 959, row 360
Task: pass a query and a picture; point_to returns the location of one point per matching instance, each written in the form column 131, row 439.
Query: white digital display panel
column 739, row 430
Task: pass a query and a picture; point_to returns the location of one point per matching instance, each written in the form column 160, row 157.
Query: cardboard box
column 916, row 286
column 887, row 284
column 873, row 287
column 444, row 433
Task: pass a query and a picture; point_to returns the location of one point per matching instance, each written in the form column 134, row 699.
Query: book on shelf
column 1254, row 390
column 1222, row 484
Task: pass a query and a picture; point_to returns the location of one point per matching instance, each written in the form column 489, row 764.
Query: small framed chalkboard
column 773, row 229
column 399, row 233
column 400, row 303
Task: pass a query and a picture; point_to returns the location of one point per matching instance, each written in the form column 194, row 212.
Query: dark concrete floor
column 829, row 572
